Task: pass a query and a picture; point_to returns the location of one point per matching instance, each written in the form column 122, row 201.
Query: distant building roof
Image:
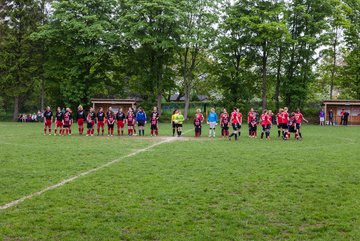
column 341, row 102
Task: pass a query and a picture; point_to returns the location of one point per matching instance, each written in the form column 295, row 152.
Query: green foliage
column 79, row 38
column 239, row 52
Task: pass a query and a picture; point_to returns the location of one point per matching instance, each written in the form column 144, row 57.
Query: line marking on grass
column 82, row 174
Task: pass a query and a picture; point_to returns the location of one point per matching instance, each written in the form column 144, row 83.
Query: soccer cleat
column 50, row 134
column 87, row 134
column 54, row 134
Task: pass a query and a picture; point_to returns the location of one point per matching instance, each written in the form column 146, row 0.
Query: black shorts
column 298, row 126
column 90, row 125
column 141, row 123
column 235, row 126
column 178, row 125
column 252, row 128
column 153, row 127
column 284, row 126
column 173, row 124
column 239, row 126
column 111, row 126
column 292, row 129
column 66, row 126
column 197, row 129
column 266, row 127
column 225, row 127
column 279, row 126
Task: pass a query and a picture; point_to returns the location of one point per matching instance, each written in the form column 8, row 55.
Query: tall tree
column 307, row 21
column 333, row 40
column 19, row 20
column 266, row 29
column 197, row 34
column 152, row 30
column 81, row 36
column 351, row 68
column 234, row 55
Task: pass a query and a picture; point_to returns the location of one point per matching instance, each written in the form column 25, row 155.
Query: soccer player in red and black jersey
column 234, row 119
column 279, row 121
column 265, row 123
column 298, row 119
column 291, row 127
column 240, row 121
column 81, row 119
column 120, row 120
column 48, row 117
column 72, row 121
column 284, row 119
column 100, row 118
column 249, row 119
column 90, row 119
column 198, row 118
column 154, row 124
column 59, row 119
column 253, row 126
column 224, row 122
column 67, row 122
column 155, row 111
column 110, row 122
column 130, row 121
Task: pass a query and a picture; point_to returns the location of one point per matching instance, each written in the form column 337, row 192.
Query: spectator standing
column 322, row 118
column 331, row 117
column 346, row 118
column 342, row 116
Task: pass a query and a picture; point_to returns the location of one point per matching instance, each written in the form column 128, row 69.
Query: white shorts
column 212, row 125
column 322, row 118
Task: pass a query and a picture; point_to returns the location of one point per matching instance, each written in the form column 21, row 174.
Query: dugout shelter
column 350, row 106
column 115, row 104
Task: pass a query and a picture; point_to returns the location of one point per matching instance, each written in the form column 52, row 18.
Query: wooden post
column 325, row 112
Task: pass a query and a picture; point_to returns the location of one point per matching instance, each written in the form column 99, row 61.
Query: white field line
column 71, row 179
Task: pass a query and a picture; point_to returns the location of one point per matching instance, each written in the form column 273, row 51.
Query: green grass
column 203, row 189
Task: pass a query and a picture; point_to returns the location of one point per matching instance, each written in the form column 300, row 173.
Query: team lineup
column 286, row 123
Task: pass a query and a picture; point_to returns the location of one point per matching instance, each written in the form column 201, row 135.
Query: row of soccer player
column 64, row 121
column 286, row 123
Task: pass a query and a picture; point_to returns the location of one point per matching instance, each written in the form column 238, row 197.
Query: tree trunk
column 333, row 71
column 42, row 93
column 264, row 70
column 278, row 76
column 16, row 108
column 158, row 102
column 186, row 84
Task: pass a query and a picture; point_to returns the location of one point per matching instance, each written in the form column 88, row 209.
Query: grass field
column 182, row 189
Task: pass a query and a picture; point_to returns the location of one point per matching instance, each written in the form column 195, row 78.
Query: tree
column 197, row 34
column 19, row 19
column 80, row 37
column 307, row 20
column 151, row 29
column 351, row 69
column 333, row 40
column 266, row 29
column 234, row 56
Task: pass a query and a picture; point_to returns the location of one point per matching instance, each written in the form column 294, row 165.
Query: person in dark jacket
column 141, row 120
